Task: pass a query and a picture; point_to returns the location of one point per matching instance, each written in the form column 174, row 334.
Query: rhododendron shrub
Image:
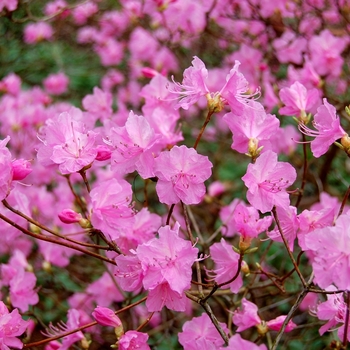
column 174, row 174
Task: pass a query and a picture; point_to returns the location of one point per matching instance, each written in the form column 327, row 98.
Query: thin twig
column 274, row 212
column 215, row 321
column 44, row 341
column 145, row 323
column 207, row 120
column 198, row 268
column 170, row 213
column 294, row 308
column 82, row 172
column 217, row 286
column 303, row 181
column 55, row 240
column 195, row 225
column 346, row 325
column 43, row 227
column 344, row 201
column 77, row 198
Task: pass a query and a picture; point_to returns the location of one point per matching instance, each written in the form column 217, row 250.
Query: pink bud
column 53, row 345
column 21, row 168
column 276, row 324
column 149, row 72
column 69, row 216
column 56, row 84
column 106, row 317
column 103, row 153
column 216, row 189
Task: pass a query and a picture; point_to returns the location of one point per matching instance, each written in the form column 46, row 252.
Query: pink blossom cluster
column 182, row 186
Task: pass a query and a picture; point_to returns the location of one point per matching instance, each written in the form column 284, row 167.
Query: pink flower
column 310, row 220
column 111, row 52
column 56, row 84
column 248, row 222
column 331, row 249
column 226, row 265
column 6, row 170
column 247, row 316
column 129, row 272
column 267, row 181
column 252, row 129
column 227, row 218
column 289, row 224
column 73, row 322
column 11, row 83
column 111, row 292
column 194, row 86
column 216, row 189
column 36, row 32
column 99, row 104
column 56, row 6
column 144, row 228
column 201, row 334
column 11, row 5
column 11, row 326
column 325, row 50
column 334, row 311
column 133, row 146
column 298, row 100
column 289, row 48
column 106, row 317
column 162, row 295
column 237, row 342
column 67, row 143
column 22, row 292
column 328, row 129
column 133, row 340
column 82, row 12
column 181, row 174
column 111, row 208
column 168, row 258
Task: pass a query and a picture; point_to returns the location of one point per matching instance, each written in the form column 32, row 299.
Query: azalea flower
column 267, row 181
column 194, row 86
column 181, row 174
column 201, row 334
column 328, row 129
column 331, row 249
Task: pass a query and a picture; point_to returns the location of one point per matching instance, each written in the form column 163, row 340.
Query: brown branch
column 217, row 286
column 303, row 182
column 198, row 268
column 294, row 308
column 55, row 241
column 274, row 212
column 170, row 213
column 47, row 340
column 207, row 120
column 43, row 227
column 344, row 201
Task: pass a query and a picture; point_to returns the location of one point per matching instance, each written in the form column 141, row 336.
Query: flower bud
column 69, row 216
column 345, row 142
column 21, row 168
column 103, row 153
column 244, row 243
column 276, row 324
column 149, row 72
column 106, row 317
column 262, row 328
